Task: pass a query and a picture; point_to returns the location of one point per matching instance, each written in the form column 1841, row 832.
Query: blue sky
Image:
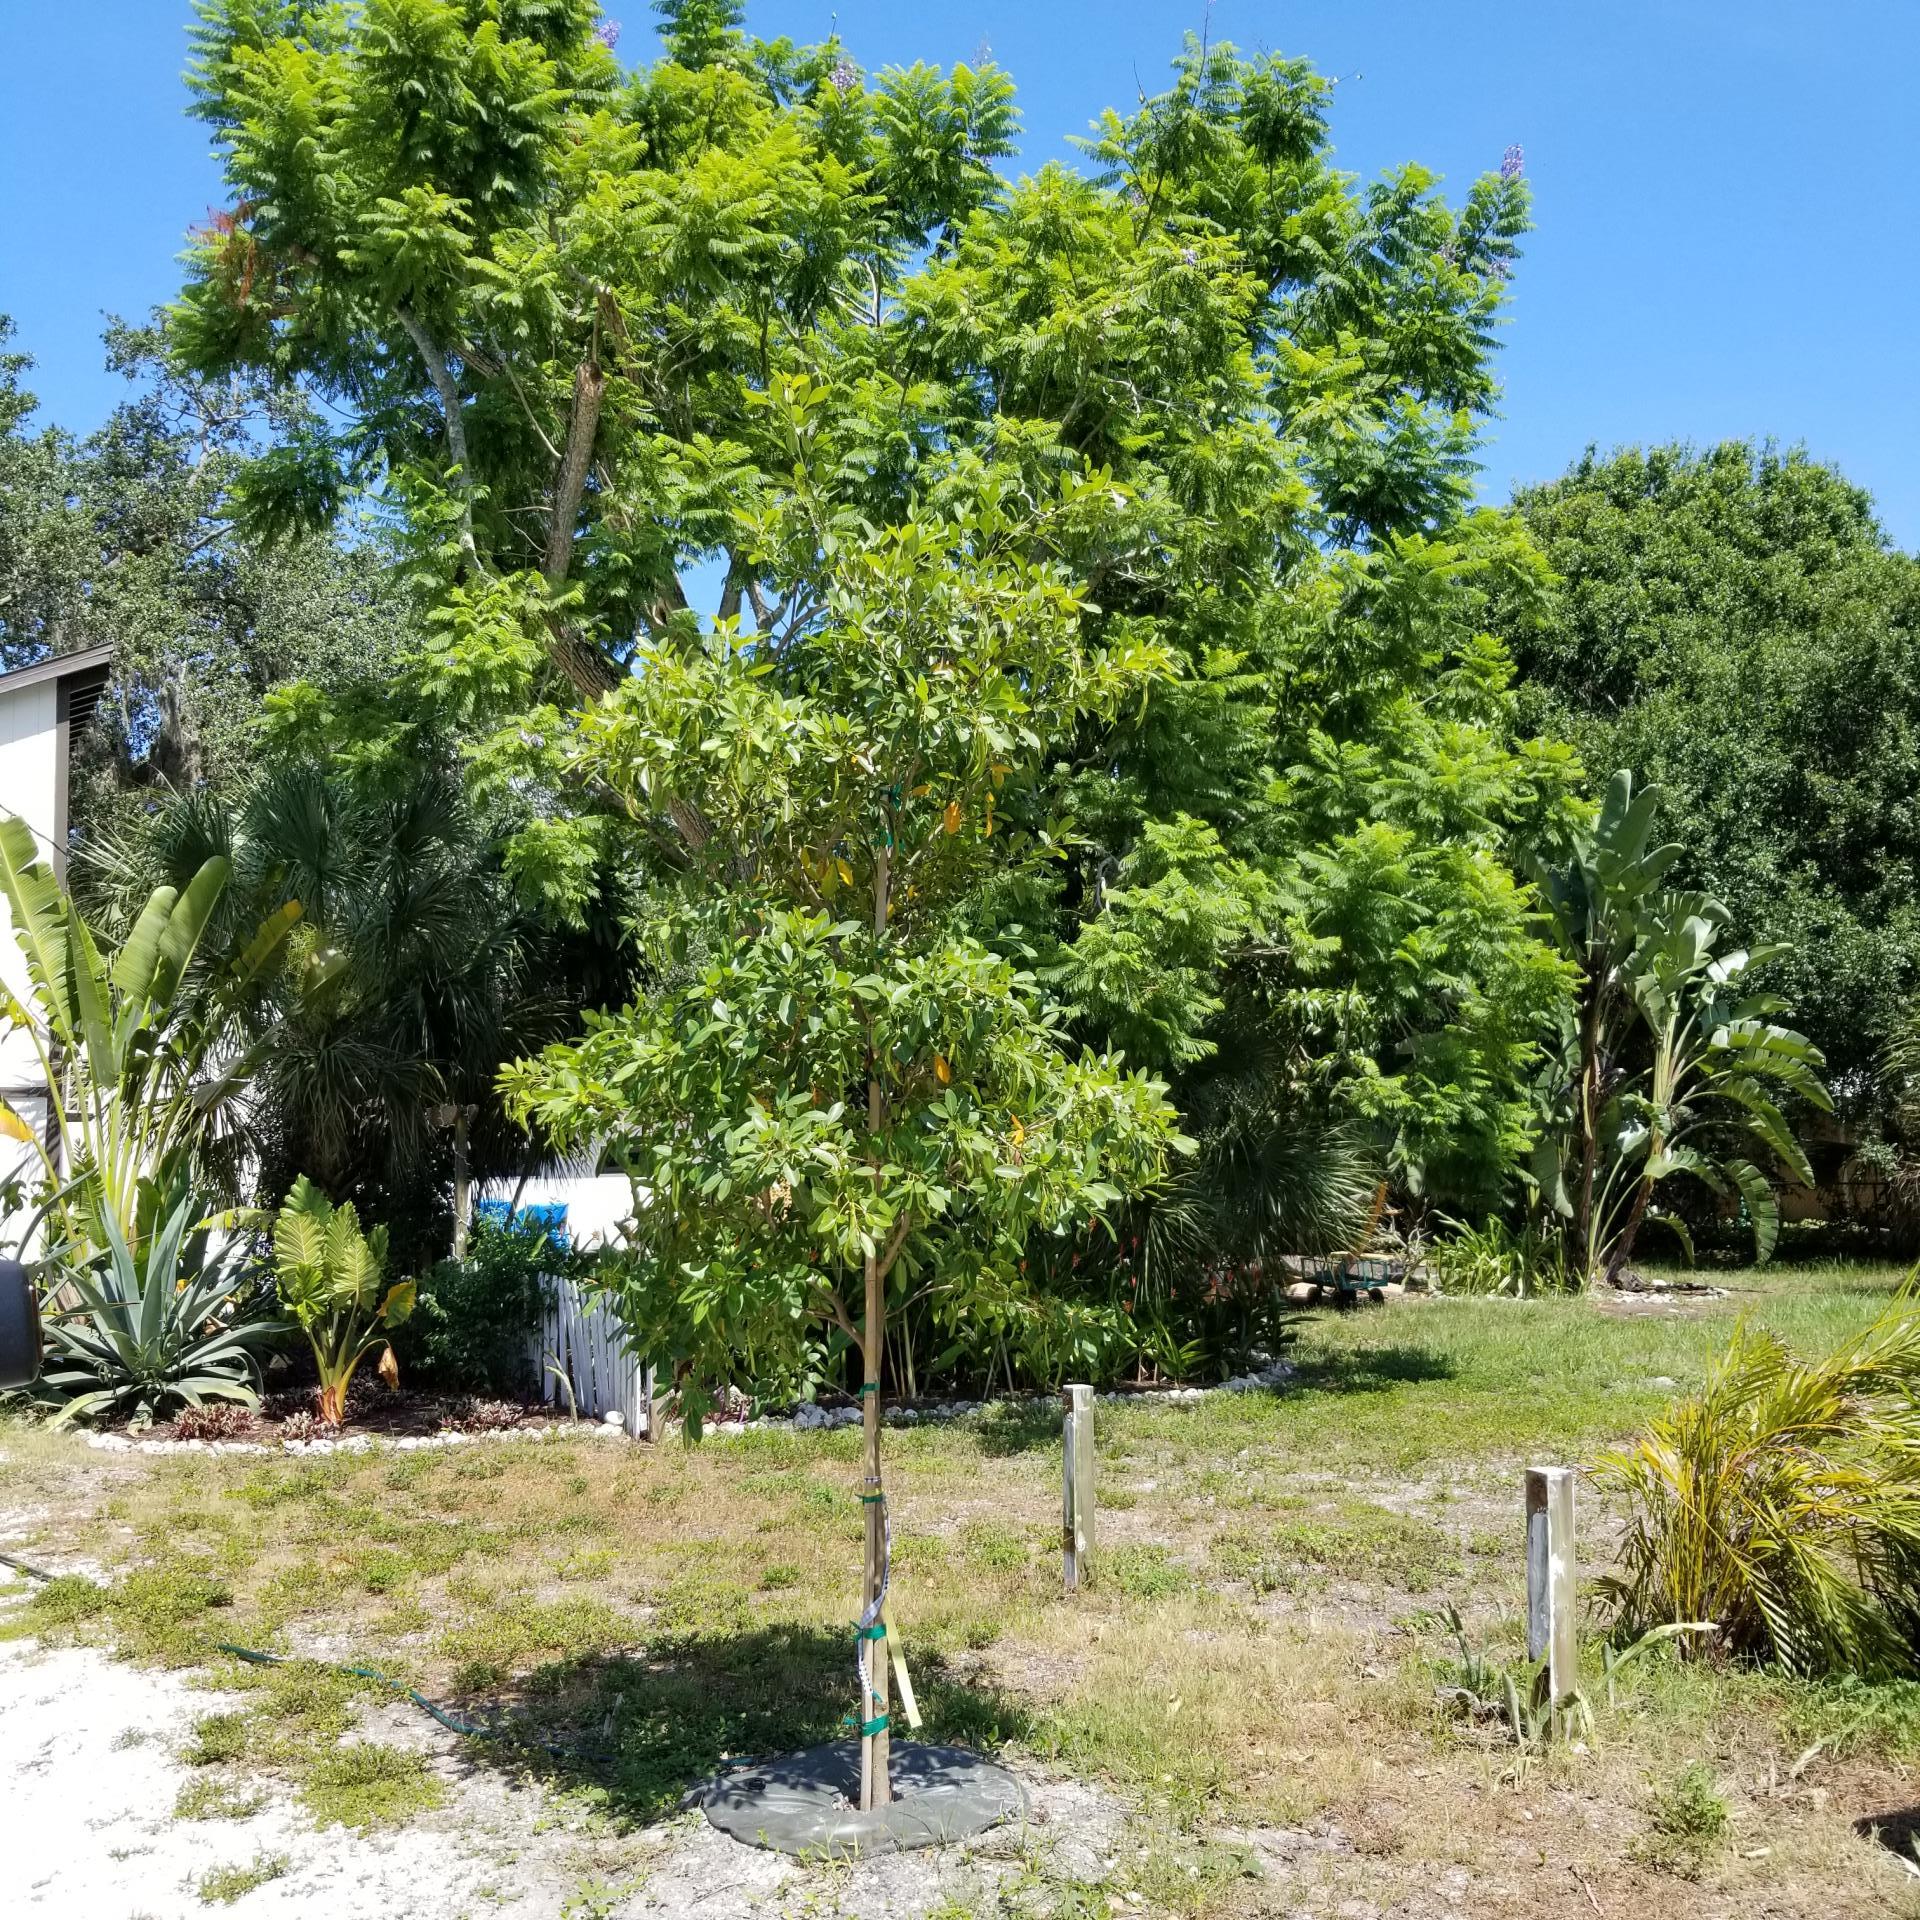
column 1729, row 232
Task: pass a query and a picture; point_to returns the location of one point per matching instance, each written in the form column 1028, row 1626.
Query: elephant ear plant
column 174, row 1323
column 330, row 1275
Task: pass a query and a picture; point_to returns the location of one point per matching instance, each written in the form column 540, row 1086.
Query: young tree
column 834, row 1083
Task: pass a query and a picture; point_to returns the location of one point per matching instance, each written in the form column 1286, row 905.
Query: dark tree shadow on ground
column 1898, row 1831
column 643, row 1728
column 1020, row 1426
column 1368, row 1370
column 1031, row 1426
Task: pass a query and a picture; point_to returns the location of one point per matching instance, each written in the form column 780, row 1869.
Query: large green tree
column 1733, row 625
column 127, row 536
column 551, row 299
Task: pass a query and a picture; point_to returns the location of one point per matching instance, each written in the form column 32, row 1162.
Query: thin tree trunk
column 570, row 484
column 583, row 664
column 1622, row 1249
column 1589, row 1121
column 876, row 1785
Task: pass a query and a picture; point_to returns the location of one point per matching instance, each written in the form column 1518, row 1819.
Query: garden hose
column 451, row 1721
column 27, row 1567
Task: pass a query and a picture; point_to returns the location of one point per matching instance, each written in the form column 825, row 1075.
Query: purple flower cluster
column 1513, row 163
column 608, row 34
column 844, row 78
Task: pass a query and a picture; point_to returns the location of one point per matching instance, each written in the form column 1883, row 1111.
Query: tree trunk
column 1622, row 1249
column 462, row 1186
column 876, row 1787
column 1589, row 1124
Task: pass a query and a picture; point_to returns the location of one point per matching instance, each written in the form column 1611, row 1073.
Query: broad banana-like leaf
column 12, row 1127
column 139, row 954
column 398, row 1304
column 39, row 915
column 185, row 926
column 1762, row 1209
column 88, row 980
column 268, row 938
column 1675, row 1226
column 1766, row 1122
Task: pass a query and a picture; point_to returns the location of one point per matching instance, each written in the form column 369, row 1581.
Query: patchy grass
column 1283, row 1582
column 211, row 1799
column 362, row 1784
column 225, row 1885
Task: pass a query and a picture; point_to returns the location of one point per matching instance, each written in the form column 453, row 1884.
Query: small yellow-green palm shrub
column 1781, row 1504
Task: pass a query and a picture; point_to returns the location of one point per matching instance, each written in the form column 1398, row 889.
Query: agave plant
column 1782, row 1503
column 330, row 1277
column 176, row 1322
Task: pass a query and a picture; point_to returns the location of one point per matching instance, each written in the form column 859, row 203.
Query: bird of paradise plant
column 134, row 1045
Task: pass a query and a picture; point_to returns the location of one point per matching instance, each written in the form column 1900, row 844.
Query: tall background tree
column 549, row 314
column 1734, row 625
column 127, row 536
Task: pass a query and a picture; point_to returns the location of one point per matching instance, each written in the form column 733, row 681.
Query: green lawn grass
column 1277, row 1581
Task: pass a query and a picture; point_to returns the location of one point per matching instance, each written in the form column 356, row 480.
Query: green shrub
column 1780, row 1505
column 477, row 1319
column 1493, row 1258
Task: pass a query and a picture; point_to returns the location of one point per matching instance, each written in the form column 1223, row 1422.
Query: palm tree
column 412, row 979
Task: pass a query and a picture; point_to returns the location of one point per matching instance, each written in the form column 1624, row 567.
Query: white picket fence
column 584, row 1339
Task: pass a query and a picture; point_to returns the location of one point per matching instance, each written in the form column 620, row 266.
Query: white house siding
column 30, row 770
column 34, row 706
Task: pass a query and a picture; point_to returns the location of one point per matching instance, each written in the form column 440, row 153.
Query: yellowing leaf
column 12, row 1127
column 953, row 816
column 942, row 1072
column 845, row 872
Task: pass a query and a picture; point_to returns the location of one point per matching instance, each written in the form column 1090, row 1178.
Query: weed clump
column 1687, row 1818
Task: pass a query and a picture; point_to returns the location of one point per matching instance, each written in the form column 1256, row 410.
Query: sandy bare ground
column 90, row 1773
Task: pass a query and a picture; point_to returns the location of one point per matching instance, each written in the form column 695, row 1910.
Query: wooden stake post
column 1550, row 1581
column 1076, row 1488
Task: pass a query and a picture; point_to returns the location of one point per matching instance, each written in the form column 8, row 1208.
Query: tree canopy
column 126, row 536
column 556, row 305
column 1733, row 625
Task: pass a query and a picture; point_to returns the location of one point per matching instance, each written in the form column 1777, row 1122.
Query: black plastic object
column 19, row 1327
column 808, row 1802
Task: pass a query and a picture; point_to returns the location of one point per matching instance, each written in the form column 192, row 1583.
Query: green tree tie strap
column 878, row 1631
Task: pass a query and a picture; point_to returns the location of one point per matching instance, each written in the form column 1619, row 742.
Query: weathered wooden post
column 1076, row 1488
column 1550, row 1581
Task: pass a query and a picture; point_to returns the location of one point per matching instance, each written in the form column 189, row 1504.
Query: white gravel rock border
column 806, row 1418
